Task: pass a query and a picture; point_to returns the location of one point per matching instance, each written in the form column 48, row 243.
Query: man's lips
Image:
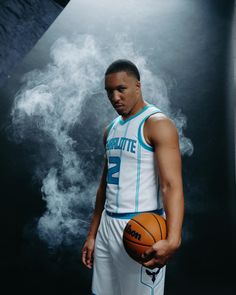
column 118, row 106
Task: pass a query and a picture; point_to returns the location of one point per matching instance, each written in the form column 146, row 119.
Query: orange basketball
column 141, row 232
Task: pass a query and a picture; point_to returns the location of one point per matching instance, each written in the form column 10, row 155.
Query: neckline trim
column 122, row 121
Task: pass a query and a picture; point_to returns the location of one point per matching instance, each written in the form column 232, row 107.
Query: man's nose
column 116, row 96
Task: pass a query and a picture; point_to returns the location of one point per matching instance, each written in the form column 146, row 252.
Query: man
column 142, row 172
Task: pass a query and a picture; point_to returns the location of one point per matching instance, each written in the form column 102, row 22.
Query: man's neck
column 138, row 107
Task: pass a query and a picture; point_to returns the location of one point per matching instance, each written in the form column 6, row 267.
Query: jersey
column 132, row 178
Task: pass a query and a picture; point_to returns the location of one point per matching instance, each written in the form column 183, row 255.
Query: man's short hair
column 123, row 65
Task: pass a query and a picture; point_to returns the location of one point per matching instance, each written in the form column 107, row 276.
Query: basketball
column 141, row 232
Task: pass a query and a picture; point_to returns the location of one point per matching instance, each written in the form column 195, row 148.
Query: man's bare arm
column 88, row 248
column 162, row 134
column 99, row 204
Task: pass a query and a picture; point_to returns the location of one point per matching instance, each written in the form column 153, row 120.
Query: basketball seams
column 158, row 223
column 137, row 243
column 146, row 230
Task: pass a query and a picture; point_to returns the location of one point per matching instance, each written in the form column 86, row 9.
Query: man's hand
column 87, row 252
column 158, row 254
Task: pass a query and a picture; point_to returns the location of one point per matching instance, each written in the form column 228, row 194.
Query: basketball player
column 142, row 172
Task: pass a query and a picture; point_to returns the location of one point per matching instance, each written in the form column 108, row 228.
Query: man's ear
column 138, row 84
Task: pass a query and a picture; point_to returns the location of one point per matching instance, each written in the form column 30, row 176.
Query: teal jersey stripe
column 138, row 177
column 117, row 194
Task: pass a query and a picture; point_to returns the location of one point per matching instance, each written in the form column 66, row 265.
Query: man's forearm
column 99, row 206
column 174, row 209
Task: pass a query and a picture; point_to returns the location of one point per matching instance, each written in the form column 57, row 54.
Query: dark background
column 204, row 90
column 22, row 23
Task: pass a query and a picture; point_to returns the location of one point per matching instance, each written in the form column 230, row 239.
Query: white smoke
column 65, row 106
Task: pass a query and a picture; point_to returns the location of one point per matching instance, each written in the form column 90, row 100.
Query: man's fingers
column 84, row 256
column 87, row 257
column 148, row 254
column 150, row 263
column 87, row 252
column 153, row 263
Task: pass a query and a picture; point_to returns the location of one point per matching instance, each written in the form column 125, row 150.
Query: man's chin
column 120, row 111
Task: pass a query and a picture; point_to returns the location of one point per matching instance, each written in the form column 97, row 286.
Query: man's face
column 123, row 91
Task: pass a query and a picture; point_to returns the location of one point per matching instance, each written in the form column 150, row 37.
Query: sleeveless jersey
column 132, row 179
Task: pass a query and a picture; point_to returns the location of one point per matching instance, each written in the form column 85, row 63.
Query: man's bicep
column 167, row 153
column 168, row 165
column 101, row 192
column 103, row 181
column 104, row 174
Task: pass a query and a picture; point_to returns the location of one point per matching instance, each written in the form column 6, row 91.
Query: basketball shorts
column 114, row 271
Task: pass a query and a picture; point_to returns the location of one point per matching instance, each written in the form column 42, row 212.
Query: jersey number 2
column 112, row 170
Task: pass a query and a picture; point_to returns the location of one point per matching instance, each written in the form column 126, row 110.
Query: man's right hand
column 87, row 252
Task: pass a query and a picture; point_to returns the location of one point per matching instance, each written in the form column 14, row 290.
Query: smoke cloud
column 62, row 109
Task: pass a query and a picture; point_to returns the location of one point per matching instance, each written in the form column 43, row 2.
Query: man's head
column 122, row 83
column 123, row 65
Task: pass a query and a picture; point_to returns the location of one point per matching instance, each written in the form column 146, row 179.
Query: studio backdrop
column 53, row 112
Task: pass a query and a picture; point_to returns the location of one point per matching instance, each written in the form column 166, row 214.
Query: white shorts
column 114, row 271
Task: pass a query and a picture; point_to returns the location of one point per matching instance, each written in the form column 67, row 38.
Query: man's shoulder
column 158, row 117
column 160, row 126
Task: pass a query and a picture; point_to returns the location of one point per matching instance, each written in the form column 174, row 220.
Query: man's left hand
column 158, row 254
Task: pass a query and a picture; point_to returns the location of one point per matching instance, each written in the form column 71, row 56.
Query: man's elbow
column 170, row 187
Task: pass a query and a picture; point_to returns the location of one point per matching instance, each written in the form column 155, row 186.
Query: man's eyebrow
column 118, row 86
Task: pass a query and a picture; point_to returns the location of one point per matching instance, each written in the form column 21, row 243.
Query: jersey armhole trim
column 141, row 138
column 110, row 126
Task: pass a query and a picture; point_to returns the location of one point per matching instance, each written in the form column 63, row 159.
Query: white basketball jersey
column 132, row 179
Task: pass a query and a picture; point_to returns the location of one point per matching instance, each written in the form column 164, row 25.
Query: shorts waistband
column 132, row 214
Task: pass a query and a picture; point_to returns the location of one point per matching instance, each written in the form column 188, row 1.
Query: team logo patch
column 151, row 277
column 153, row 274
